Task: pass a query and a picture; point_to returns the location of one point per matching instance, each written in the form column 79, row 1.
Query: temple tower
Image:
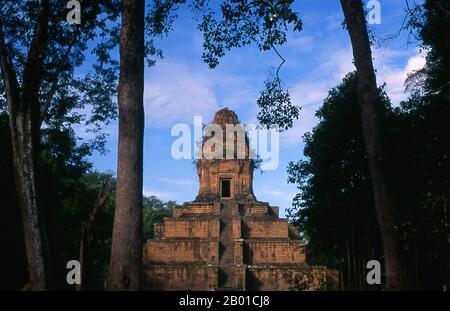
column 227, row 174
column 226, row 239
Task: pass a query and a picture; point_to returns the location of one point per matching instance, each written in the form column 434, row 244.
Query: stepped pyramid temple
column 226, row 239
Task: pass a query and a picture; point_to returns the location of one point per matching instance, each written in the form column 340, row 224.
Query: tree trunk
column 368, row 95
column 126, row 253
column 87, row 229
column 24, row 116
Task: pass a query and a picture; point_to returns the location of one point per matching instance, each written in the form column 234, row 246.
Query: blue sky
column 317, row 58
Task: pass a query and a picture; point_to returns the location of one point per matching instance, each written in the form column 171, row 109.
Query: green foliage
column 420, row 154
column 231, row 24
column 76, row 204
column 426, row 117
column 334, row 207
column 335, row 198
column 70, row 191
column 245, row 22
column 158, row 23
column 154, row 211
column 264, row 23
column 433, row 28
column 66, row 97
column 78, row 91
column 80, row 66
column 162, row 14
column 276, row 106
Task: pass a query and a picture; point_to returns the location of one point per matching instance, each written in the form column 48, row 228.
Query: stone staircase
column 226, row 249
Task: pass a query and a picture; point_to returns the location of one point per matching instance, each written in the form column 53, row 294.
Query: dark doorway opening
column 225, row 188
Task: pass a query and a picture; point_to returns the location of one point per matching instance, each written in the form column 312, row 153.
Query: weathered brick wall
column 239, row 277
column 274, row 211
column 286, row 278
column 191, row 227
column 286, row 252
column 159, row 230
column 293, row 232
column 180, row 277
column 194, row 209
column 210, row 174
column 238, row 251
column 176, row 250
column 266, row 228
column 236, row 228
column 257, row 210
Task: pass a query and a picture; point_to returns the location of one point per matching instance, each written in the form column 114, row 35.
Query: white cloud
column 336, row 65
column 386, row 63
column 311, row 91
column 300, row 43
column 309, row 96
column 333, row 21
column 328, row 21
column 175, row 93
column 395, row 75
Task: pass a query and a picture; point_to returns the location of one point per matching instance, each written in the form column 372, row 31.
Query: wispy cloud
column 311, row 91
column 328, row 21
column 309, row 96
column 395, row 75
column 300, row 43
column 175, row 93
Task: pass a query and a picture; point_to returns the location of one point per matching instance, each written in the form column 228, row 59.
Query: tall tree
column 367, row 93
column 87, row 229
column 24, row 114
column 37, row 65
column 334, row 207
column 126, row 253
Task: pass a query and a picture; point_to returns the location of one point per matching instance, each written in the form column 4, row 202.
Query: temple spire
column 225, row 170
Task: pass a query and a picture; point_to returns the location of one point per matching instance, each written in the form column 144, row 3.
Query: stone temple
column 226, row 239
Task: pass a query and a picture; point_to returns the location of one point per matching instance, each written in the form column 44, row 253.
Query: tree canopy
column 334, row 206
